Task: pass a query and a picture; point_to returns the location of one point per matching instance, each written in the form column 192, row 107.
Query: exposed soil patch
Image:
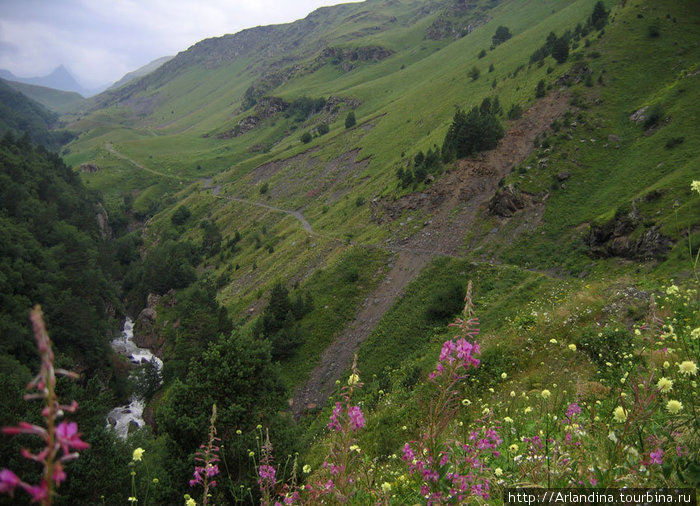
column 454, row 203
column 269, row 169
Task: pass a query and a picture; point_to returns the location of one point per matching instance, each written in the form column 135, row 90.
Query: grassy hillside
column 58, row 101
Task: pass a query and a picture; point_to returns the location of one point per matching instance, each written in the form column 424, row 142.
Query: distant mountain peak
column 60, row 78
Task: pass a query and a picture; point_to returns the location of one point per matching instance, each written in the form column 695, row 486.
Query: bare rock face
column 507, row 201
column 88, row 168
column 103, row 221
column 145, row 334
column 623, row 236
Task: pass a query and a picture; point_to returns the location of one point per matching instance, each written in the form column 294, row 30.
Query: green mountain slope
column 22, row 115
column 58, row 101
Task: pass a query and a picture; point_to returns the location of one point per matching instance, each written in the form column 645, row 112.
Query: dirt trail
column 295, row 214
column 466, row 190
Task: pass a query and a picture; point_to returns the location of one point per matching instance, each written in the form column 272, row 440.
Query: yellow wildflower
column 664, row 385
column 512, row 393
column 508, row 419
column 695, row 333
column 528, row 409
column 503, row 375
column 545, row 394
column 572, row 347
column 138, row 454
column 553, row 341
column 688, row 368
column 354, row 379
column 190, row 502
column 498, row 471
column 386, row 487
column 513, row 448
column 695, row 186
column 673, row 406
column 306, row 468
column 620, row 414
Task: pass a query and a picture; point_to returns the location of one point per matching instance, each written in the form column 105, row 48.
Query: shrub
column 474, row 73
column 560, row 49
column 654, row 29
column 482, row 53
column 446, row 302
column 180, row 216
column 540, row 89
column 306, row 137
column 323, row 129
column 502, row 34
column 653, row 116
column 673, row 142
column 350, row 120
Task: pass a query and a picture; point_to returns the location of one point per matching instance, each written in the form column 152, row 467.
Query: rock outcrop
column 145, row 333
column 507, row 201
column 627, row 236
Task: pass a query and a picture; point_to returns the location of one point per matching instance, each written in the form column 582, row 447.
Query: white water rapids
column 122, row 418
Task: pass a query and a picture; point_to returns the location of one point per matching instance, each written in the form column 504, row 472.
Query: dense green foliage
column 477, row 130
column 278, row 323
column 20, row 114
column 51, row 253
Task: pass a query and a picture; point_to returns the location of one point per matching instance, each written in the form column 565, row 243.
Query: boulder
column 507, row 201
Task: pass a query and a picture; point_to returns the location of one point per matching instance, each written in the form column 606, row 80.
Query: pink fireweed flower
column 69, row 437
column 9, row 481
column 266, row 472
column 38, row 492
column 655, row 456
column 357, row 421
column 334, row 424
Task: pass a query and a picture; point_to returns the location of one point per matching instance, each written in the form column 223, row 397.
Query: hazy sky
column 101, row 40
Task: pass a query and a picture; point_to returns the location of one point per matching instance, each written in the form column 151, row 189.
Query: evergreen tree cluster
column 558, row 47
column 473, row 131
column 279, row 321
column 424, row 164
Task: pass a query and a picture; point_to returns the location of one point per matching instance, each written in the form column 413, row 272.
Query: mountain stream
column 130, row 416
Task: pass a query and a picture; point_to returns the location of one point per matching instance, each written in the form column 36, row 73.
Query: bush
column 515, row 111
column 180, row 216
column 446, row 302
column 560, row 49
column 482, row 53
column 655, row 29
column 541, row 89
column 502, row 34
column 323, row 129
column 474, row 73
column 653, row 116
column 306, row 137
column 350, row 120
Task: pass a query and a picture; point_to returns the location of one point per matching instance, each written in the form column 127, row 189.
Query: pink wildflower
column 655, row 456
column 8, row 481
column 68, row 437
column 334, row 424
column 357, row 421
